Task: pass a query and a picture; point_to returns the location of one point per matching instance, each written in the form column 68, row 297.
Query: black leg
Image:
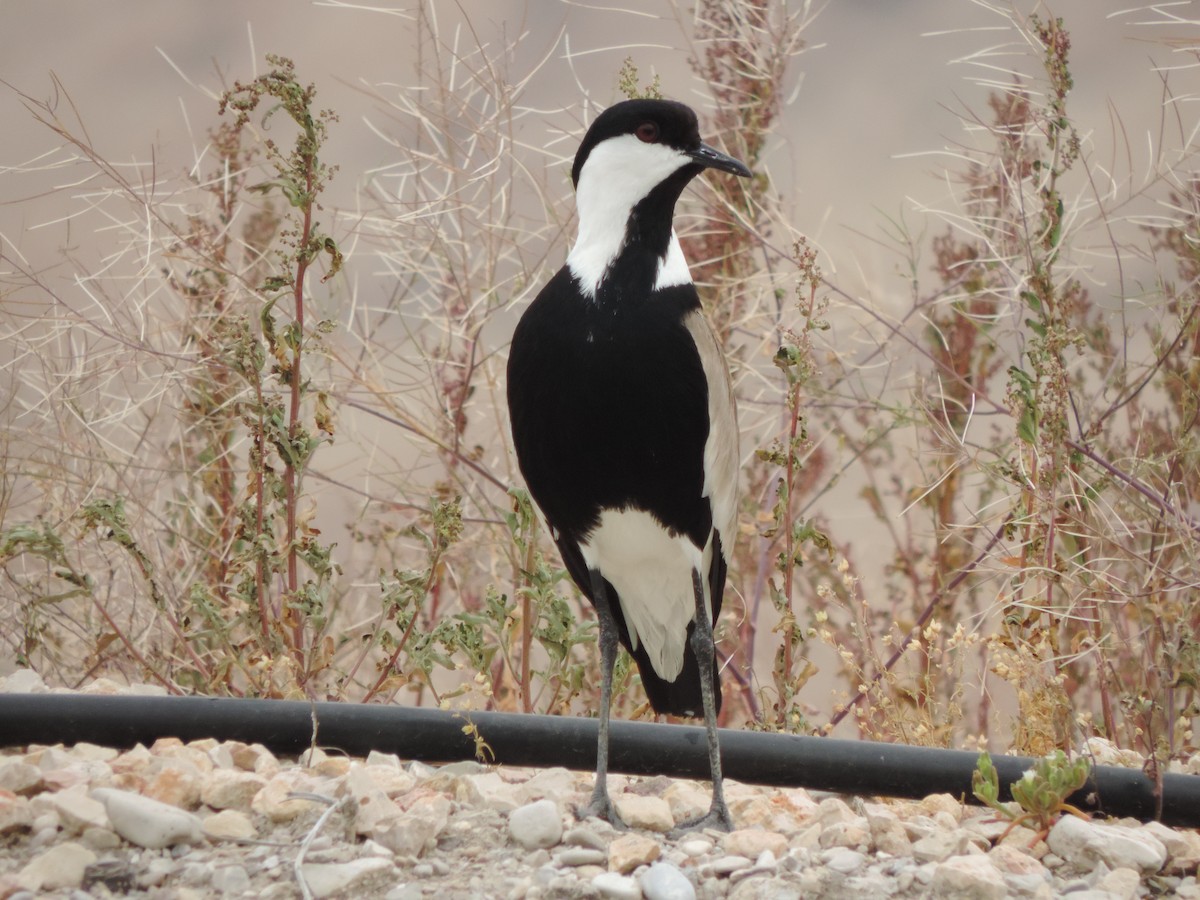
column 702, row 645
column 601, row 805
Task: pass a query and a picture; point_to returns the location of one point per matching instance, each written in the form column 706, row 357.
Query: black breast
column 609, row 407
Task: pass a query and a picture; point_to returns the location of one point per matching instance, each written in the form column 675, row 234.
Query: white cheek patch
column 673, row 268
column 619, row 173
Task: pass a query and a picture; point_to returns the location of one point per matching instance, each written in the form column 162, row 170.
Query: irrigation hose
column 286, row 727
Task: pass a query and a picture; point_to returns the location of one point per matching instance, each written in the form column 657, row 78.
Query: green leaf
column 1027, row 426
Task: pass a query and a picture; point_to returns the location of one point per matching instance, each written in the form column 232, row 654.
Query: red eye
column 647, row 132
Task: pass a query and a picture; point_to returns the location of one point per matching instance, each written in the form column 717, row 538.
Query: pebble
column 61, row 866
column 581, row 856
column 146, row 822
column 76, row 811
column 19, row 777
column 1117, row 846
column 616, row 886
column 648, row 813
column 230, row 789
column 15, row 813
column 537, row 824
column 229, row 825
column 844, row 860
column 327, row 879
column 631, row 850
column 1123, row 883
column 940, row 845
column 407, row 831
column 752, row 842
column 231, row 880
column 727, row 865
column 582, row 836
column 663, row 881
column 968, row 878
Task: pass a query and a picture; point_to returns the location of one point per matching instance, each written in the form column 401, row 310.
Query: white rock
column 663, row 881
column 416, row 828
column 20, row 777
column 231, row 880
column 1083, row 843
column 175, row 781
column 844, row 860
column 1105, row 753
column 100, row 839
column 809, row 838
column 229, row 824
column 581, row 856
column 1183, row 847
column 969, row 878
column 94, row 752
column 695, row 846
column 144, row 690
column 253, row 758
column 727, row 865
column 941, row 803
column 650, row 813
column 855, row 834
column 537, row 824
column 887, row 832
column 173, row 748
column 495, row 792
column 619, row 887
column 393, row 780
column 760, row 887
column 59, row 867
column 275, row 801
column 327, row 879
column 834, row 809
column 1012, row 860
column 379, row 758
column 582, row 836
column 687, row 800
column 15, row 813
column 148, row 823
column 753, row 842
column 940, row 845
column 371, row 805
column 629, row 851
column 1121, row 883
column 552, row 783
column 232, row 789
column 23, row 681
column 75, row 809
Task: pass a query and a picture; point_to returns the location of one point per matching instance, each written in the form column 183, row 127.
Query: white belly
column 651, row 571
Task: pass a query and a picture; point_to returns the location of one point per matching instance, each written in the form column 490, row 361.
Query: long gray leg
column 601, row 805
column 703, row 646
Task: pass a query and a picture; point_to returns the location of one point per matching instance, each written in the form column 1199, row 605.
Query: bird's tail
column 682, row 696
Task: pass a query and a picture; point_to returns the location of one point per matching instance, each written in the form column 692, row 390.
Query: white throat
column 619, row 173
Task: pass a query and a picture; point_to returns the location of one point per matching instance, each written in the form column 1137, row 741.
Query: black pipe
column 849, row 767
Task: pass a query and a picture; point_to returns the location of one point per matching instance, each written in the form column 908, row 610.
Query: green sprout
column 1041, row 792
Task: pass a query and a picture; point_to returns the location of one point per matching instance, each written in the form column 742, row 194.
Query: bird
column 624, row 423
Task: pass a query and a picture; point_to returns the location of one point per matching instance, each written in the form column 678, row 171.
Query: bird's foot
column 717, row 817
column 602, row 807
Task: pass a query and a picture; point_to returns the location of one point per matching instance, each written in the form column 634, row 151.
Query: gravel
column 211, row 819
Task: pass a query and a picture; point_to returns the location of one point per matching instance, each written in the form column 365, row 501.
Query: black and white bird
column 624, row 422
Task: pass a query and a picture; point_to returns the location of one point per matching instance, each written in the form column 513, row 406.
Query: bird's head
column 647, row 141
column 633, row 164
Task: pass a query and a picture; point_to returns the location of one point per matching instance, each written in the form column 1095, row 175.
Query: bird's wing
column 721, row 453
